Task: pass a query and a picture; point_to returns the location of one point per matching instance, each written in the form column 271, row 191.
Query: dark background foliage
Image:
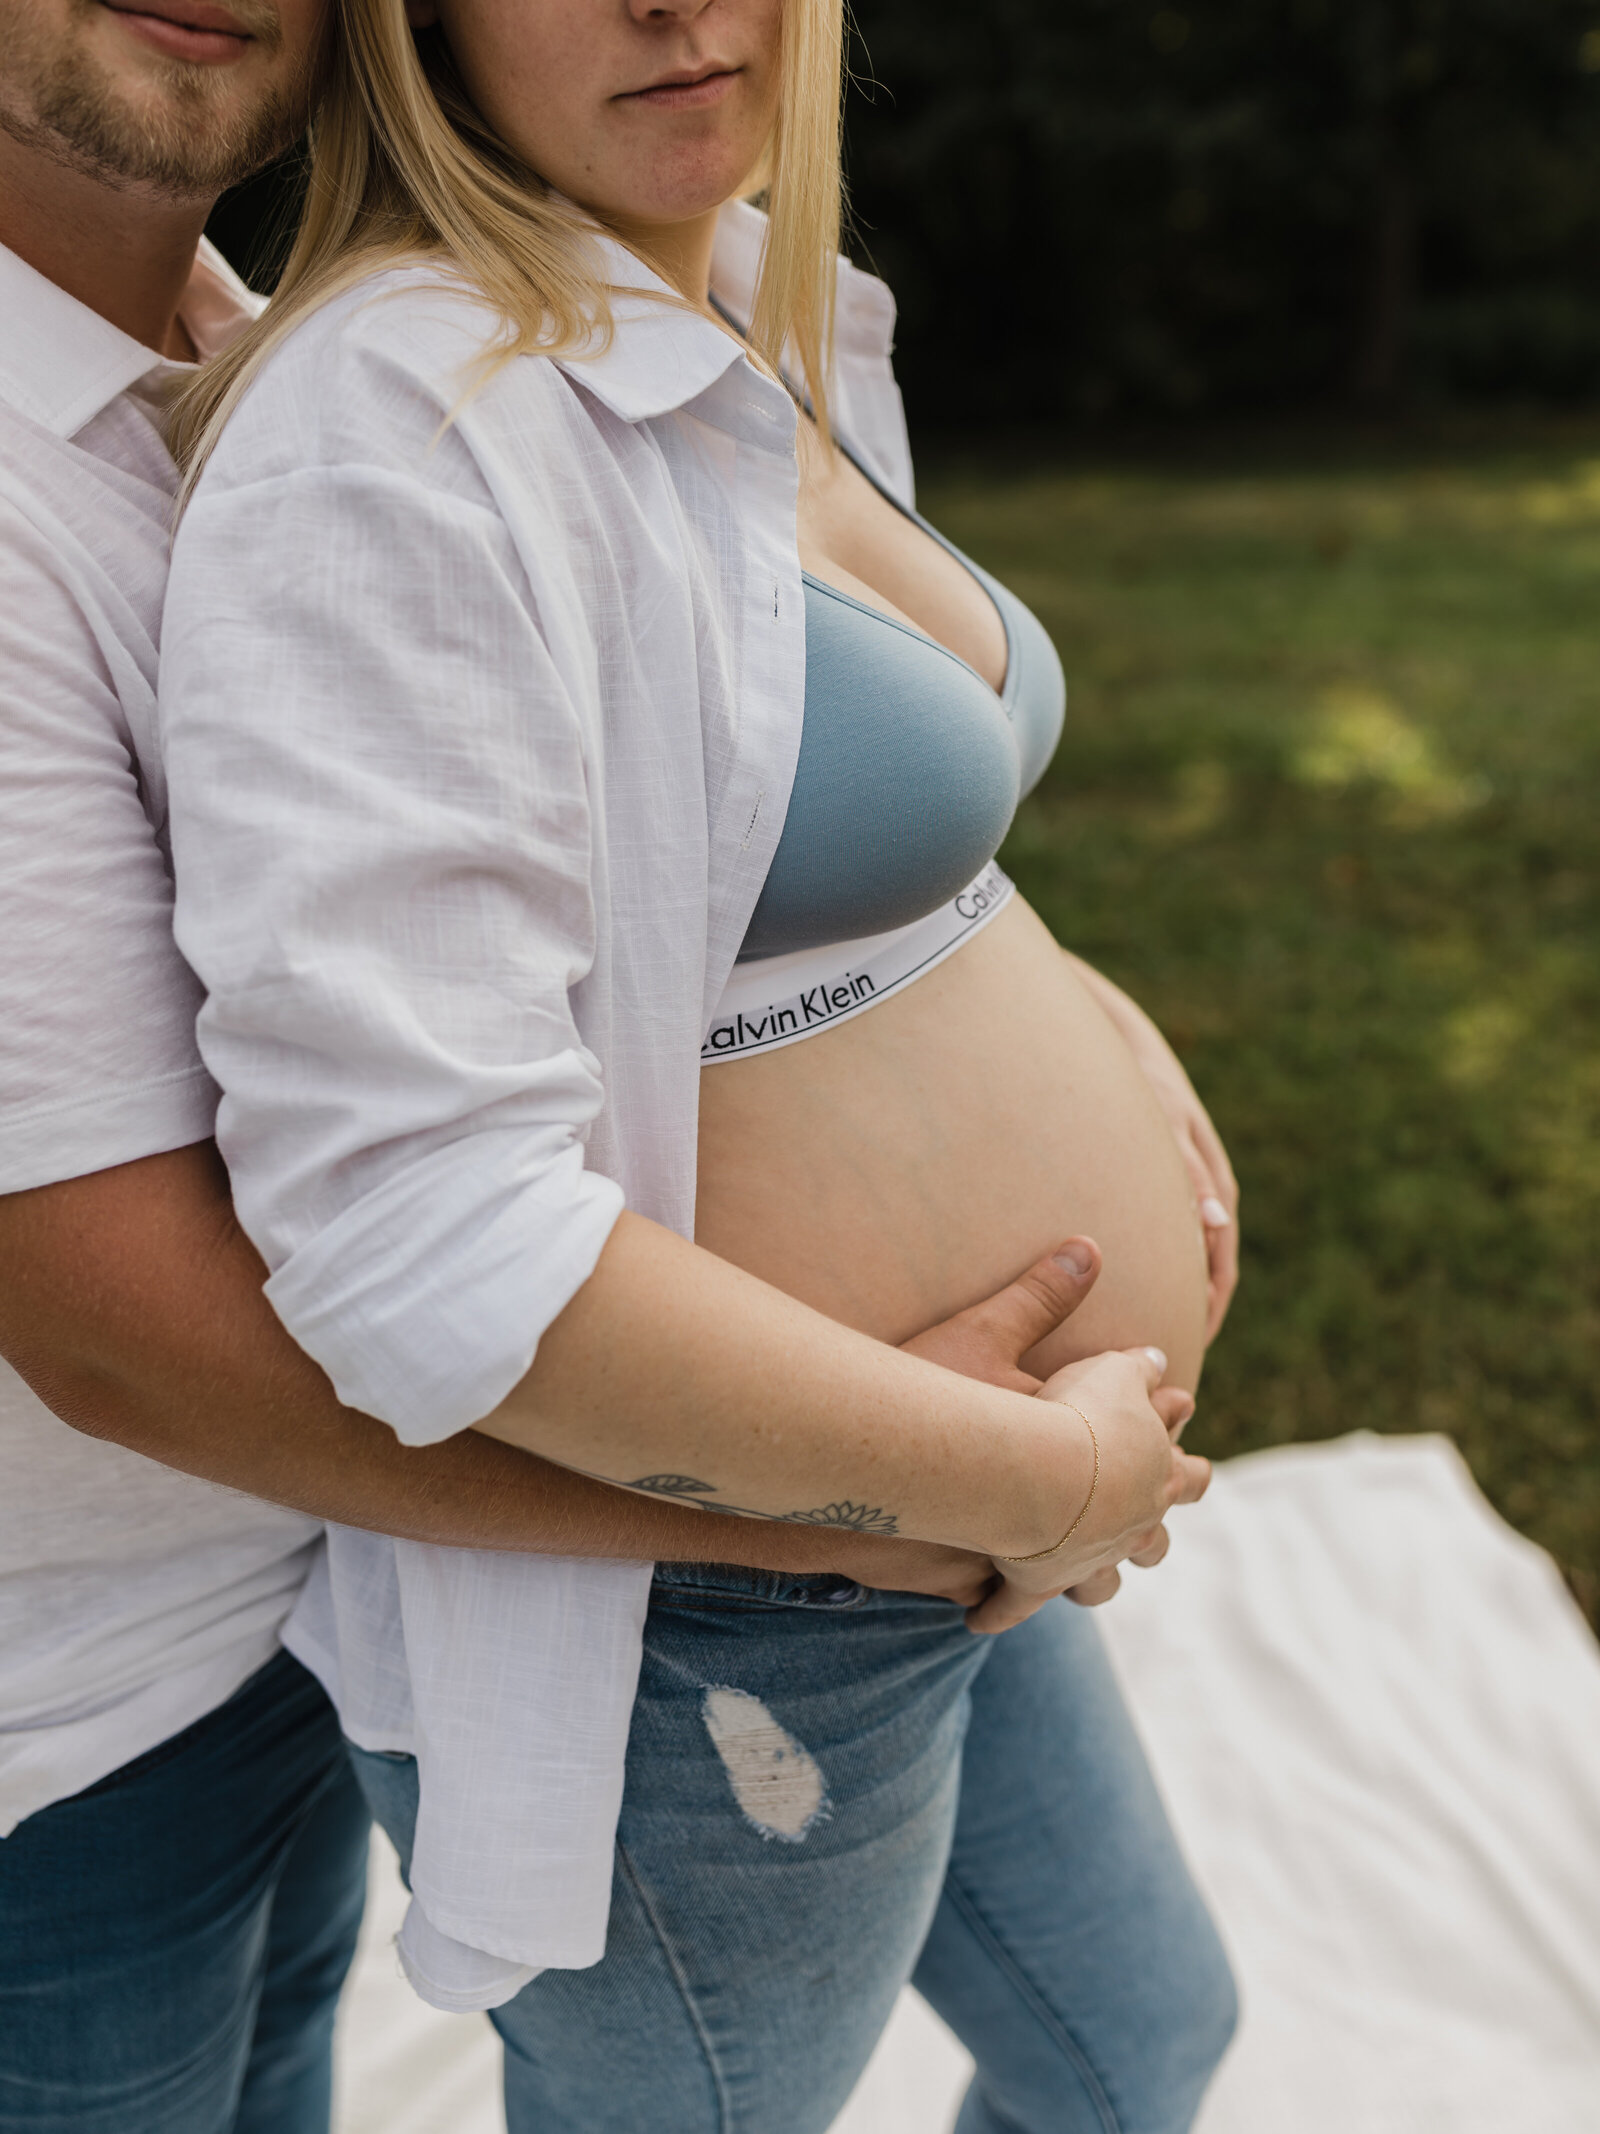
column 1207, row 206
column 1210, row 205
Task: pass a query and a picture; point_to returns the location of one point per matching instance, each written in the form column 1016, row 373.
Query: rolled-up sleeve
column 382, row 840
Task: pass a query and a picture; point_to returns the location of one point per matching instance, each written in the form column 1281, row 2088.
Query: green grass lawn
column 1326, row 805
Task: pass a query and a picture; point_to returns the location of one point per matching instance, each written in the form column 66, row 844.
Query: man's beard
column 182, row 146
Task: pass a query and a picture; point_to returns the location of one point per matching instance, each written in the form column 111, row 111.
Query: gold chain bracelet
column 1088, row 1500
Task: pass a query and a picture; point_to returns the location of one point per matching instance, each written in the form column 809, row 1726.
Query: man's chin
column 171, row 130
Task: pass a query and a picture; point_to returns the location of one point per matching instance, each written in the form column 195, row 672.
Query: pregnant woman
column 552, row 704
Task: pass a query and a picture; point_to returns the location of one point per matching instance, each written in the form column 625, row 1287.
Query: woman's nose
column 664, row 11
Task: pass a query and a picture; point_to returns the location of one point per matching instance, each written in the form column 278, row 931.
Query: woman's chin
column 684, row 186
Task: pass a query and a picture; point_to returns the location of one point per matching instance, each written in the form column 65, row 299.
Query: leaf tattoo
column 854, row 1518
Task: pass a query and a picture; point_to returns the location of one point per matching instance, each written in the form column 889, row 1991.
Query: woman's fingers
column 988, row 1340
column 1152, row 1362
column 1095, row 1591
column 1209, row 1143
column 1217, row 1193
column 1222, row 1279
column 1175, row 1407
column 1148, row 1551
column 1222, row 1261
column 1191, row 1477
column 1139, row 1474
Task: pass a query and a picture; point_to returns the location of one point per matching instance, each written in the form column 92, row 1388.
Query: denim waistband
column 715, row 1582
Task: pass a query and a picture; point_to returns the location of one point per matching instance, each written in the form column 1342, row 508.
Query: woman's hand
column 986, row 1342
column 1216, row 1190
column 1137, row 1475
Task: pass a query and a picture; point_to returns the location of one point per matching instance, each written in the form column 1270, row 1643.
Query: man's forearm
column 131, row 1302
column 468, row 1492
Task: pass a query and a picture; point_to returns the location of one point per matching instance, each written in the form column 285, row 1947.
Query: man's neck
column 121, row 252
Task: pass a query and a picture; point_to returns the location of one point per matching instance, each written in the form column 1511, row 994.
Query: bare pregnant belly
column 911, row 1161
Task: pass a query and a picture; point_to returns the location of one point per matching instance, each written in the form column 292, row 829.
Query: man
column 181, row 1845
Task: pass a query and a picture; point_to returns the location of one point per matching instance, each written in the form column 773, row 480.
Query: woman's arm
column 674, row 1373
column 131, row 1302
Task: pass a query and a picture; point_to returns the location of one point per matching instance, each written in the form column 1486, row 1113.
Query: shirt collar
column 863, row 308
column 663, row 354
column 61, row 363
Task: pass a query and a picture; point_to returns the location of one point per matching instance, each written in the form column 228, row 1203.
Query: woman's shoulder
column 375, row 373
column 419, row 318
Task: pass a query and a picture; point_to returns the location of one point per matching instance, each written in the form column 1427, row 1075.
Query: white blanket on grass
column 1375, row 1714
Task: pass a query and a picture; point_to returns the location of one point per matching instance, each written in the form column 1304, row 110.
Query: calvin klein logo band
column 749, row 1019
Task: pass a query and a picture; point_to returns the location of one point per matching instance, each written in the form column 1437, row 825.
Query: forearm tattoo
column 687, row 1489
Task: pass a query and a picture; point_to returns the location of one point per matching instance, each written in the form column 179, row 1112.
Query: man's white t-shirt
column 133, row 1600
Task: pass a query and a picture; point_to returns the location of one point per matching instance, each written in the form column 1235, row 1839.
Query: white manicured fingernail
column 1213, row 1214
column 1158, row 1357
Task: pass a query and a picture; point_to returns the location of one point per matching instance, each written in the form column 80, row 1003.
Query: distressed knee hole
column 774, row 1779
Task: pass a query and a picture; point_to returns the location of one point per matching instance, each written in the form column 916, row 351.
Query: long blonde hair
column 403, row 167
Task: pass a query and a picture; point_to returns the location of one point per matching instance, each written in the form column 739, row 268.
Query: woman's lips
column 205, row 35
column 681, row 95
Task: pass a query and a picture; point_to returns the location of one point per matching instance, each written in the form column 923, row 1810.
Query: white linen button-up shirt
column 133, row 1600
column 479, row 725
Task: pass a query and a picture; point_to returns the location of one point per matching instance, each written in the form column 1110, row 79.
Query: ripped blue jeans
column 831, row 1792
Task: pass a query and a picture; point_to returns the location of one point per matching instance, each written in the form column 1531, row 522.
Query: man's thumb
column 1019, row 1316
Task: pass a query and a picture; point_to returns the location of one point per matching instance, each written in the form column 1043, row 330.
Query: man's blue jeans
column 173, row 1939
column 830, row 1792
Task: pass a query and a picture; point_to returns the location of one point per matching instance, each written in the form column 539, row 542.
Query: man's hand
column 987, row 1340
column 912, row 1567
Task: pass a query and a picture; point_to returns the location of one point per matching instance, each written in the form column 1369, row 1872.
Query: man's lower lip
column 683, row 96
column 178, row 41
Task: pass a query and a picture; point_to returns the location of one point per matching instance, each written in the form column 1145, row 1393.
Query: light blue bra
column 910, row 767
